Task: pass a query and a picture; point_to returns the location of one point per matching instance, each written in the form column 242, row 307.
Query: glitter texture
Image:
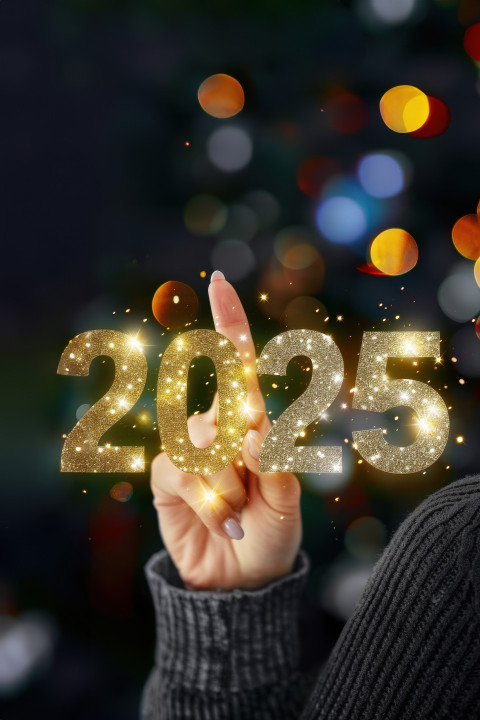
column 172, row 402
column 81, row 451
column 279, row 452
column 375, row 392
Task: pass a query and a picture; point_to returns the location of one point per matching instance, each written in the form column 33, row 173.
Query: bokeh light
column 304, row 312
column 382, row 175
column 365, row 538
column 459, row 294
column 241, row 224
column 81, row 410
column 235, row 259
column 466, row 236
column 467, row 11
column 313, row 172
column 438, row 119
column 394, row 252
column 27, row 645
column 341, row 219
column 121, row 491
column 175, row 305
column 205, row 215
column 346, row 112
column 281, row 284
column 369, row 269
column 265, row 206
column 343, row 588
column 229, row 148
column 477, row 326
column 404, row 108
column 476, row 271
column 393, row 12
column 471, row 41
column 221, row 96
column 294, row 248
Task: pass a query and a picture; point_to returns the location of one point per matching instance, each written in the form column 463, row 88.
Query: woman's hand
column 238, row 528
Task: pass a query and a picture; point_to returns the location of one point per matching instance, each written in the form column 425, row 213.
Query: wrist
column 243, row 638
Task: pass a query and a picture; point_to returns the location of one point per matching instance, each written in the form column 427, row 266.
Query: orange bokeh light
column 466, row 236
column 394, row 251
column 221, row 96
column 175, row 305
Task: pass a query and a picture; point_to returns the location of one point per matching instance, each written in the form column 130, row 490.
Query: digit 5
column 375, row 392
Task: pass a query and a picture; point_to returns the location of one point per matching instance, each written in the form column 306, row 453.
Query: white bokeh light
column 229, row 148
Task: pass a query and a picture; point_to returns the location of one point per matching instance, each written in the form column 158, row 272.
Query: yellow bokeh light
column 476, row 270
column 404, row 108
column 394, row 252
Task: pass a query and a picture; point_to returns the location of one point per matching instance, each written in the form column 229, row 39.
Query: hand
column 238, row 528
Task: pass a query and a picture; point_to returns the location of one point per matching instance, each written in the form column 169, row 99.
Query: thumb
column 281, row 491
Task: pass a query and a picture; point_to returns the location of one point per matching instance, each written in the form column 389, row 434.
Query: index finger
column 230, row 320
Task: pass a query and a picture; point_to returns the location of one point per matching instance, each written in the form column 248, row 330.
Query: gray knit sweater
column 411, row 649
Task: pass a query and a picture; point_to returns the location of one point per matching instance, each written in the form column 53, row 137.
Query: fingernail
column 217, row 275
column 254, row 443
column 233, row 529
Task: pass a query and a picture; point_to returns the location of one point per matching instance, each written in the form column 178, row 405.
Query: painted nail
column 254, row 443
column 217, row 275
column 233, row 528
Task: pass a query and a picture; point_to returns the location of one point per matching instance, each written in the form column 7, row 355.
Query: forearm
column 220, row 655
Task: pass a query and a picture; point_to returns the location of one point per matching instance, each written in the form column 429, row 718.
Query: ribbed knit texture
column 411, row 649
column 207, row 665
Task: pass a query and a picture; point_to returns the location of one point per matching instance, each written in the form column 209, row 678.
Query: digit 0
column 172, row 402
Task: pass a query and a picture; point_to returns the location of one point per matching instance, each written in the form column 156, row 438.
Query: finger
column 229, row 486
column 281, row 491
column 171, row 486
column 230, row 320
column 201, row 429
column 212, row 413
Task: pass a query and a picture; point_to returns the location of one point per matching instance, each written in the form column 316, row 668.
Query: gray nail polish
column 233, row 528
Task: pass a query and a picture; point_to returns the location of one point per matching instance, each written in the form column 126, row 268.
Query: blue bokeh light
column 341, row 219
column 381, row 175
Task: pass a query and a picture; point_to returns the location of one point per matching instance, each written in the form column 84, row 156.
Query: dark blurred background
column 113, row 181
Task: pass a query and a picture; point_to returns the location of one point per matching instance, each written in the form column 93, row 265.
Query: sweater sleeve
column 224, row 654
column 411, row 649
